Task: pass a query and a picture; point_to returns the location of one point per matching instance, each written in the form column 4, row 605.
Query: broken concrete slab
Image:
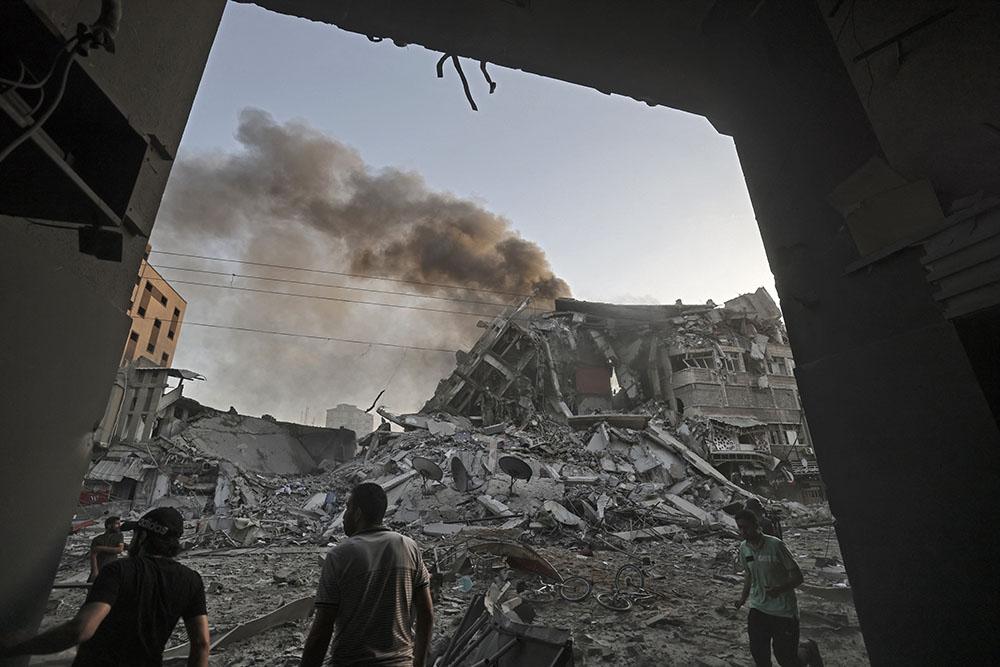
column 563, row 515
column 438, row 529
column 689, row 507
column 648, row 533
column 600, row 440
column 633, row 421
column 493, row 505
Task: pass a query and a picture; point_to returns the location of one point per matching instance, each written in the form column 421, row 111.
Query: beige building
column 157, row 311
column 351, row 417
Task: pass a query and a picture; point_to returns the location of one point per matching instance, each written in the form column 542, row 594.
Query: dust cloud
column 294, row 196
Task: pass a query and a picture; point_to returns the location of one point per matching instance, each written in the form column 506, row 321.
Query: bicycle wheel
column 630, row 578
column 614, row 601
column 574, row 588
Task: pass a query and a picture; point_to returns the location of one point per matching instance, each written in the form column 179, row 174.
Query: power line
column 314, row 337
column 340, row 273
column 183, row 323
column 337, row 299
column 315, row 284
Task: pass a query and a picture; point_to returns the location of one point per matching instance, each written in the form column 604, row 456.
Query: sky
column 630, row 203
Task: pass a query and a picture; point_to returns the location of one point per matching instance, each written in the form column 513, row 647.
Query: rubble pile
column 572, row 485
column 586, row 502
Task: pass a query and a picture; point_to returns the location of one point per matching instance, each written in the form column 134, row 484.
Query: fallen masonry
column 518, row 506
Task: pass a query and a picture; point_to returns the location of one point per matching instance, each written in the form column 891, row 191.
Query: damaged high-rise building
column 723, row 374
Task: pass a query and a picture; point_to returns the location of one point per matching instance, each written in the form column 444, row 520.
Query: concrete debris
column 505, row 490
column 720, row 381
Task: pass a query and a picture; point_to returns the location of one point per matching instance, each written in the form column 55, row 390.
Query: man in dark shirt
column 134, row 604
column 372, row 587
column 105, row 547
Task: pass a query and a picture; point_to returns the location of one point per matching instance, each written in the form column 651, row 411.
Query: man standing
column 770, row 578
column 768, row 524
column 134, row 604
column 105, row 547
column 371, row 588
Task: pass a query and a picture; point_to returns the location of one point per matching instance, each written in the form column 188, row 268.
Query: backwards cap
column 165, row 521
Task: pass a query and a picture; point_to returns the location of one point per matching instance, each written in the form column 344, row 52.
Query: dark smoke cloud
column 386, row 222
column 294, row 196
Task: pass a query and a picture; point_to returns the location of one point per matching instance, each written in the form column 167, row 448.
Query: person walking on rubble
column 105, row 547
column 770, row 578
column 769, row 524
column 371, row 588
column 134, row 604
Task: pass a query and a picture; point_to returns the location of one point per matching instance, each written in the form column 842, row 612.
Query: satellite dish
column 459, row 474
column 516, row 468
column 427, row 469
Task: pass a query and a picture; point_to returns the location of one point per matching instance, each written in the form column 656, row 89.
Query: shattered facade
column 723, row 375
column 203, row 461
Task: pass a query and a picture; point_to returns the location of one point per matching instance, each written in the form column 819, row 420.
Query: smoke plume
column 293, row 196
column 386, row 222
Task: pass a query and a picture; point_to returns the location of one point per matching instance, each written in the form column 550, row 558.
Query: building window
column 149, row 286
column 733, row 361
column 157, row 322
column 163, row 300
column 134, row 336
column 151, row 347
column 777, row 366
column 177, row 313
column 170, row 334
column 164, row 359
column 141, row 310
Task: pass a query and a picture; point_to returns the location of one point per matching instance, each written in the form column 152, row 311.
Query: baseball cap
column 165, row 521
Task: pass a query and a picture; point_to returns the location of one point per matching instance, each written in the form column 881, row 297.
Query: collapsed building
column 722, row 375
column 156, row 447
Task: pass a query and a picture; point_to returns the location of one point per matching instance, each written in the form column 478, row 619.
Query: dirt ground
column 693, row 583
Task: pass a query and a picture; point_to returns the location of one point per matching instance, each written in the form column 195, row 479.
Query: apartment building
column 157, row 312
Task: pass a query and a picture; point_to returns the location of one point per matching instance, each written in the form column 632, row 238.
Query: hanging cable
column 493, row 84
column 40, row 121
column 99, row 35
column 461, row 75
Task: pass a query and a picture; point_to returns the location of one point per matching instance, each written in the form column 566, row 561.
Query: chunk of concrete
column 563, row 515
column 493, row 505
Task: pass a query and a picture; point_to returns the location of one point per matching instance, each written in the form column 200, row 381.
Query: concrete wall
column 65, row 318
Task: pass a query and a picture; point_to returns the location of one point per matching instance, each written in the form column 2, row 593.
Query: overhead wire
column 290, row 334
column 160, row 267
column 337, row 299
column 340, row 273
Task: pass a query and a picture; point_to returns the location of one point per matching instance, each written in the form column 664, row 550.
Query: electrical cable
column 338, row 299
column 340, row 273
column 37, row 125
column 315, row 337
column 66, row 46
column 315, row 284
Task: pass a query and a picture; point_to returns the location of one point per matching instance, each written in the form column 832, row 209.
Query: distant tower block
column 352, row 417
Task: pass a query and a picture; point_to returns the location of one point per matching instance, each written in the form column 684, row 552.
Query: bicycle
column 571, row 589
column 630, row 581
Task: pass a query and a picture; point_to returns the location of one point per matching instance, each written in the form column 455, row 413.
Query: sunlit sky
column 631, row 203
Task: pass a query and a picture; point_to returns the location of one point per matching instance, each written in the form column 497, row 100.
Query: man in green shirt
column 770, row 579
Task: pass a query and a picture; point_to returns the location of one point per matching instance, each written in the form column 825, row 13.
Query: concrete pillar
column 904, row 436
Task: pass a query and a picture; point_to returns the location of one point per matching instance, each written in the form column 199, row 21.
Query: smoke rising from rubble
column 294, row 196
column 386, row 222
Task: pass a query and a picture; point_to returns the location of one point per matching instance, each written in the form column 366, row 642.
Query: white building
column 352, row 417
